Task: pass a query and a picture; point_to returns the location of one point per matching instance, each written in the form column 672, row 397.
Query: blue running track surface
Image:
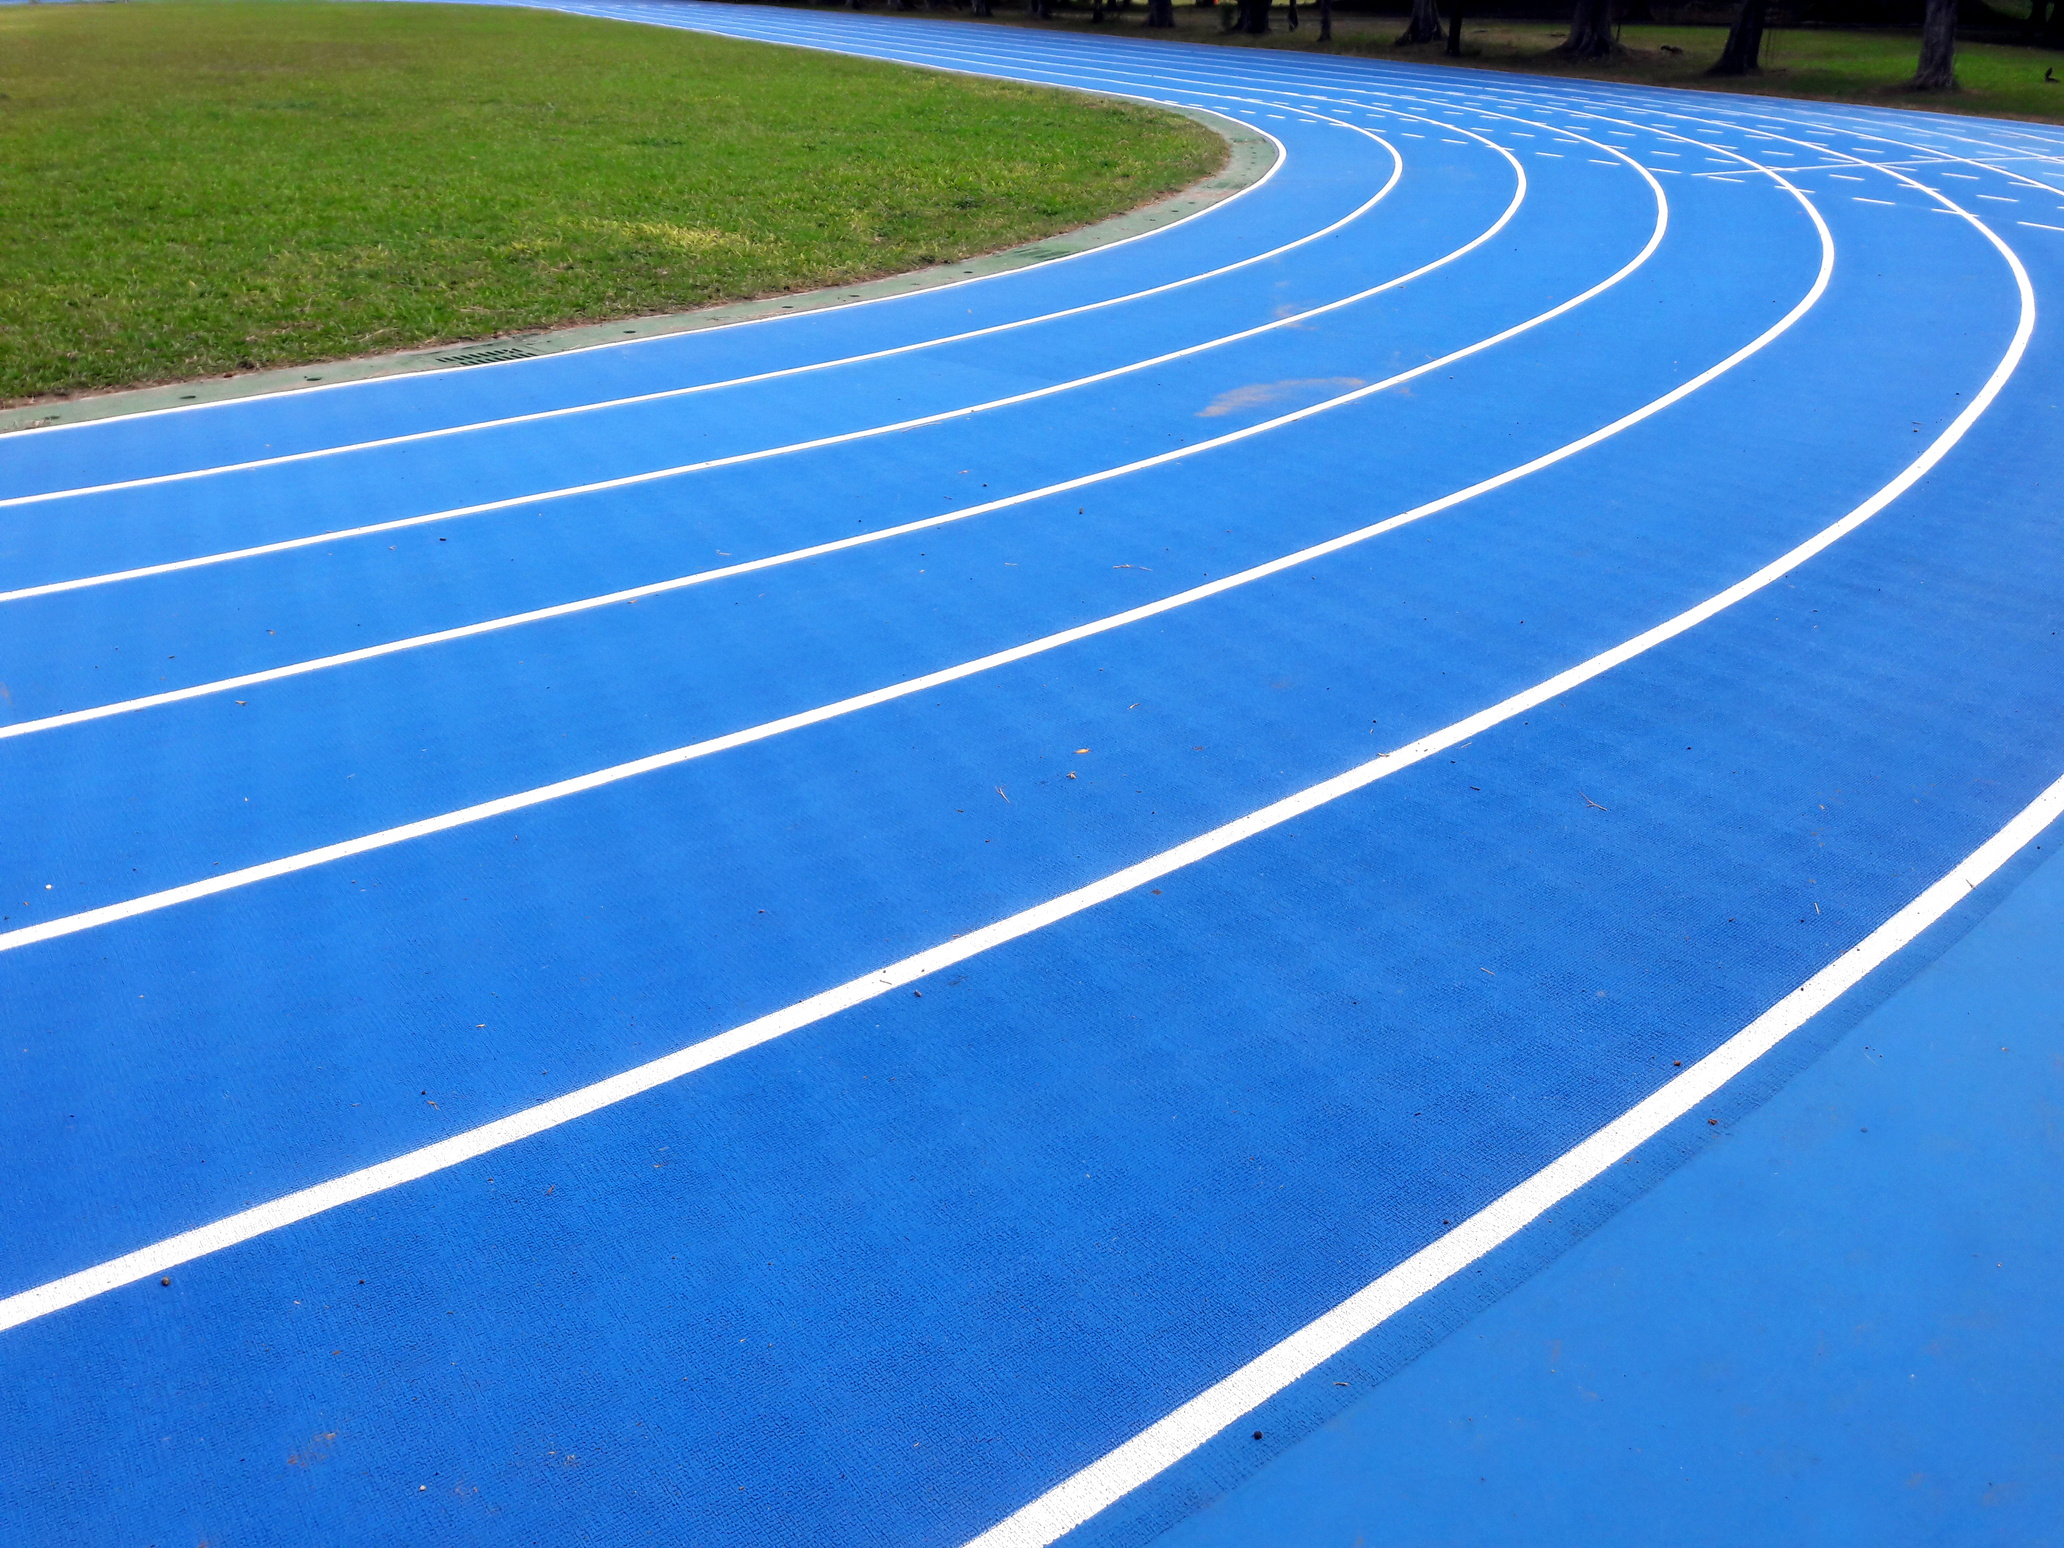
column 948, row 922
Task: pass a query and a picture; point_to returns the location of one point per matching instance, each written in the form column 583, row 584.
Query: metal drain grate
column 485, row 356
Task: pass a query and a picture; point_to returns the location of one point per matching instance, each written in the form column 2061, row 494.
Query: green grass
column 1825, row 64
column 195, row 188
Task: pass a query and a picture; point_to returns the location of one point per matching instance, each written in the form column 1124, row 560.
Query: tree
column 1743, row 54
column 1454, row 29
column 1424, row 27
column 1590, row 33
column 1325, row 21
column 1937, row 71
column 1160, row 13
column 2035, row 17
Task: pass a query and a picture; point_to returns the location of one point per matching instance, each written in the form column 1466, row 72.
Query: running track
column 1077, row 867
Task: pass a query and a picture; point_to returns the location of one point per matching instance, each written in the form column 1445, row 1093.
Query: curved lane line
column 1082, row 1496
column 314, row 453
column 1170, row 1439
column 792, row 556
column 286, row 545
column 1240, row 578
column 1175, row 1436
column 736, row 459
column 1282, row 157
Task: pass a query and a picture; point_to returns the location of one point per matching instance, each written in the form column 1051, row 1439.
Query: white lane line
column 501, row 806
column 1282, row 156
column 174, row 566
column 2038, row 225
column 664, row 394
column 1446, row 502
column 1151, row 82
column 1860, row 199
column 1120, row 1471
column 635, row 593
column 739, row 459
column 631, row 594
column 1074, row 1495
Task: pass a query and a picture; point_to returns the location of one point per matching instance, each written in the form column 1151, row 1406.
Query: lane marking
column 738, row 459
column 213, row 470
column 52, row 588
column 157, row 1258
column 1282, row 156
column 1162, row 1444
column 274, row 674
column 657, row 588
column 630, row 594
column 933, row 61
column 1331, row 545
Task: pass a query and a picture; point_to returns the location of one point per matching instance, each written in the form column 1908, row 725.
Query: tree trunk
column 979, row 8
column 1938, row 48
column 2035, row 17
column 1590, row 33
column 1743, row 54
column 1160, row 13
column 1096, row 12
column 1257, row 17
column 1454, row 29
column 1424, row 27
column 1325, row 21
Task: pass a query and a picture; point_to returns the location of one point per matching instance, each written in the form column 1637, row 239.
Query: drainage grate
column 485, row 356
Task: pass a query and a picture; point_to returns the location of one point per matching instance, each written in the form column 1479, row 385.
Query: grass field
column 195, row 188
column 1837, row 66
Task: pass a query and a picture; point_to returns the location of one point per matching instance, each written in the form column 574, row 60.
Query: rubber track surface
column 899, row 1264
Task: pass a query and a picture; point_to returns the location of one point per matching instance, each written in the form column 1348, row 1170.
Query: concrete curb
column 1252, row 154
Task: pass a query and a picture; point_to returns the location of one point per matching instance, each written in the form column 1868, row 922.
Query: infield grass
column 189, row 189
